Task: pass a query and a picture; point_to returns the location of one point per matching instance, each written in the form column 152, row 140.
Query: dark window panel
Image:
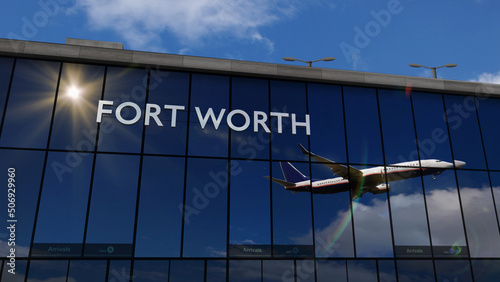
column 209, row 91
column 187, row 270
column 123, row 85
column 397, row 126
column 32, row 94
column 150, row 270
column 28, row 167
column 290, row 98
column 489, row 119
column 5, row 74
column 481, row 223
column 327, row 122
column 362, row 270
column 75, row 126
column 486, row 270
column 464, row 131
column 87, row 270
column 245, row 271
column 206, row 208
column 277, row 270
column 453, row 270
column 326, row 269
column 250, row 222
column 249, row 95
column 415, row 270
column 304, row 271
column 216, row 270
column 495, row 183
column 159, row 222
column 332, row 219
column 363, row 128
column 432, row 132
column 19, row 271
column 48, row 270
column 119, row 270
column 112, row 207
column 386, row 270
column 292, row 219
column 168, row 88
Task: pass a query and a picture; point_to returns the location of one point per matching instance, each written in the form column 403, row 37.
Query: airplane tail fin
column 292, row 174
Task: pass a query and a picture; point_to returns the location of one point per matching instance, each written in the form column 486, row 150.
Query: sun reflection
column 74, row 92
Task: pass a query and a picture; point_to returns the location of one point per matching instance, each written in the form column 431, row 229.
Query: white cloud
column 141, row 23
column 488, row 78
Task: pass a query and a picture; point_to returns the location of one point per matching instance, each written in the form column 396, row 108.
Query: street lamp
column 433, row 68
column 326, row 59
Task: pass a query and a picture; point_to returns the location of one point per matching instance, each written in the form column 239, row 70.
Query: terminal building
column 120, row 165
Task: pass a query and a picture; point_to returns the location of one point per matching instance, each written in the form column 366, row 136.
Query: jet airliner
column 373, row 180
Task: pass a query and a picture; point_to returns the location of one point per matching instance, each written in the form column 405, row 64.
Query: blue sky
column 364, row 35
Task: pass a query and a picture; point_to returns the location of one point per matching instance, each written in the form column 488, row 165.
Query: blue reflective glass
column 277, row 270
column 495, row 185
column 481, row 223
column 453, row 270
column 187, row 270
column 397, row 126
column 16, row 273
column 87, row 270
column 362, row 270
column 415, row 270
column 168, row 88
column 27, row 176
column 209, row 92
column 485, row 270
column 464, row 131
column 75, row 126
column 123, row 85
column 5, row 74
column 326, row 269
column 119, row 270
column 249, row 95
column 245, row 271
column 288, row 99
column 386, row 270
column 205, row 209
column 150, row 270
column 216, row 270
column 112, row 205
column 31, row 100
column 327, row 121
column 160, row 219
column 489, row 120
column 363, row 128
column 48, row 270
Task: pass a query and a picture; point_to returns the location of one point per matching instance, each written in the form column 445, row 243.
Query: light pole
column 309, row 63
column 433, row 68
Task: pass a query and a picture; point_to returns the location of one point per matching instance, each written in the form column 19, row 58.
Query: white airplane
column 373, row 180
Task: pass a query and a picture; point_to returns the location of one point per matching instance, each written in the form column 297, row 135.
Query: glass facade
column 135, row 174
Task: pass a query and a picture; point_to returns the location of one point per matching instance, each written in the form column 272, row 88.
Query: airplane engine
column 381, row 188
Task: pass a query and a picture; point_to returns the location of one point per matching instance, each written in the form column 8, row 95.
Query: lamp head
column 290, row 59
column 415, row 65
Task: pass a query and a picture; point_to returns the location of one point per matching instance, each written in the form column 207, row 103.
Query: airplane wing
column 343, row 171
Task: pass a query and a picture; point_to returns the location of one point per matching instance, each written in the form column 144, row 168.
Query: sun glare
column 74, row 92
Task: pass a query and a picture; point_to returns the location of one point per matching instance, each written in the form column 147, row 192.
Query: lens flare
column 74, row 92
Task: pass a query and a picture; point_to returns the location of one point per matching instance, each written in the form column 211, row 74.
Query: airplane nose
column 459, row 164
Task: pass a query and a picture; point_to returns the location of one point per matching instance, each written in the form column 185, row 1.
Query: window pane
column 168, row 88
column 19, row 271
column 288, row 98
column 206, row 208
column 32, row 94
column 48, row 270
column 159, row 223
column 249, row 95
column 292, row 218
column 363, row 128
column 112, row 207
column 64, row 200
column 28, row 167
column 453, row 270
column 386, row 270
column 327, row 121
column 245, row 271
column 5, row 74
column 250, row 217
column 123, row 85
column 432, row 132
column 87, row 270
column 119, row 270
column 332, row 219
column 75, row 126
column 326, row 269
column 150, row 270
column 481, row 223
column 187, row 270
column 209, row 91
column 489, row 119
column 415, row 270
column 445, row 220
column 464, row 131
column 486, row 270
column 216, row 270
column 495, row 183
column 362, row 270
column 277, row 270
